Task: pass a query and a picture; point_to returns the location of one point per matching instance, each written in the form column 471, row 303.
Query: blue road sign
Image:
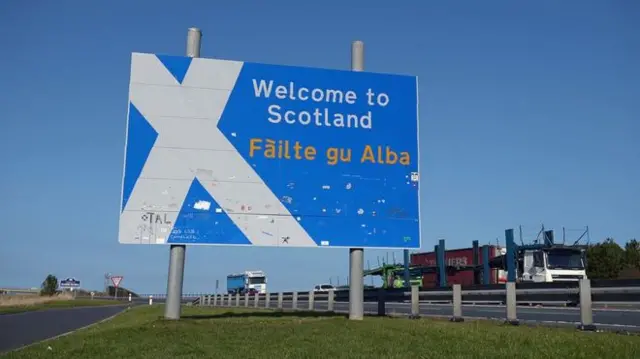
column 69, row 283
column 234, row 153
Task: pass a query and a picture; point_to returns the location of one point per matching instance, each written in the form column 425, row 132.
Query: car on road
column 323, row 288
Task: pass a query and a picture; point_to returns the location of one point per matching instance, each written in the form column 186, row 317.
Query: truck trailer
column 458, row 257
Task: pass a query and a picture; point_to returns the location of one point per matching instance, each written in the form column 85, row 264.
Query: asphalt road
column 611, row 319
column 25, row 328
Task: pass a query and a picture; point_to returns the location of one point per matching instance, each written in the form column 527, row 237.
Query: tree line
column 609, row 260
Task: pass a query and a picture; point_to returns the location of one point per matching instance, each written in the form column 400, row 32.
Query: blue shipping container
column 235, row 283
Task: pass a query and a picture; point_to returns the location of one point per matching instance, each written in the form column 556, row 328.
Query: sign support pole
column 177, row 252
column 356, row 255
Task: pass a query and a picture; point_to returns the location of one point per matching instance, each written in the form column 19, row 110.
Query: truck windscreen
column 564, row 260
column 256, row 280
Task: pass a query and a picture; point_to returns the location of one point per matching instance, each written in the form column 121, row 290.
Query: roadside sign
column 234, row 153
column 116, row 281
column 69, row 283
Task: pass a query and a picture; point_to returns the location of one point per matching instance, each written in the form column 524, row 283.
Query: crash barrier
column 580, row 293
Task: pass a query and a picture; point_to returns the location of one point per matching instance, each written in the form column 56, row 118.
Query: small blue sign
column 235, row 153
column 69, row 283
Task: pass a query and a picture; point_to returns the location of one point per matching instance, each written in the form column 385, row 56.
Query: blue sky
column 529, row 115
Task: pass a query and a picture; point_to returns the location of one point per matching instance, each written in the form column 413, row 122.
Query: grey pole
column 311, row 300
column 330, row 300
column 177, row 252
column 512, row 317
column 356, row 255
column 457, row 304
column 356, row 284
column 586, row 313
column 174, row 282
column 415, row 302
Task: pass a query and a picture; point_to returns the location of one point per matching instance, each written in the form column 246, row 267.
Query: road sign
column 69, row 283
column 116, row 281
column 235, row 153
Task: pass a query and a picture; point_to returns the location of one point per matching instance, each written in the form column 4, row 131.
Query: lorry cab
column 553, row 264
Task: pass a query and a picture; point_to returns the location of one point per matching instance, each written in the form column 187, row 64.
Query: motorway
column 25, row 328
column 610, row 319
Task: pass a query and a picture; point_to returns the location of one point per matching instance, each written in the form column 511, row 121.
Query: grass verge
column 24, row 307
column 229, row 333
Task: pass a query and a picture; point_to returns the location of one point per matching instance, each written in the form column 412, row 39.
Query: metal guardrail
column 580, row 293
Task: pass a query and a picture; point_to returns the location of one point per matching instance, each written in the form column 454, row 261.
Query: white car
column 323, row 288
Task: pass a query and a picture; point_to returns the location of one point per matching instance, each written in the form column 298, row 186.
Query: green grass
column 55, row 304
column 220, row 333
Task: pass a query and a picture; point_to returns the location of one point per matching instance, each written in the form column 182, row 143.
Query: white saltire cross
column 190, row 145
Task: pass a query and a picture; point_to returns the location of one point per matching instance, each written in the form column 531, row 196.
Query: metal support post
column 175, row 281
column 257, row 300
column 586, row 313
column 237, row 299
column 407, row 263
column 511, row 255
column 486, row 270
column 415, row 302
column 280, row 300
column 382, row 302
column 246, row 299
column 442, row 264
column 457, row 304
column 177, row 252
column 476, row 262
column 311, row 300
column 215, row 300
column 294, row 301
column 512, row 317
column 267, row 300
column 356, row 255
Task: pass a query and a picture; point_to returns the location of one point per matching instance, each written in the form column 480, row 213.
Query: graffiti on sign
column 155, row 218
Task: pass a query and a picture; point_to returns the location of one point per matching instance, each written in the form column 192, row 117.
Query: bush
column 49, row 286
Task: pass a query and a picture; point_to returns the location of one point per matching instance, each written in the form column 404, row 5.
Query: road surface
column 26, row 328
column 611, row 319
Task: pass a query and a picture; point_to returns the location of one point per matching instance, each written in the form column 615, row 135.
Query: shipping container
column 457, row 257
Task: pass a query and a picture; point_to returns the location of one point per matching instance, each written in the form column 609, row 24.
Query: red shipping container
column 455, row 257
